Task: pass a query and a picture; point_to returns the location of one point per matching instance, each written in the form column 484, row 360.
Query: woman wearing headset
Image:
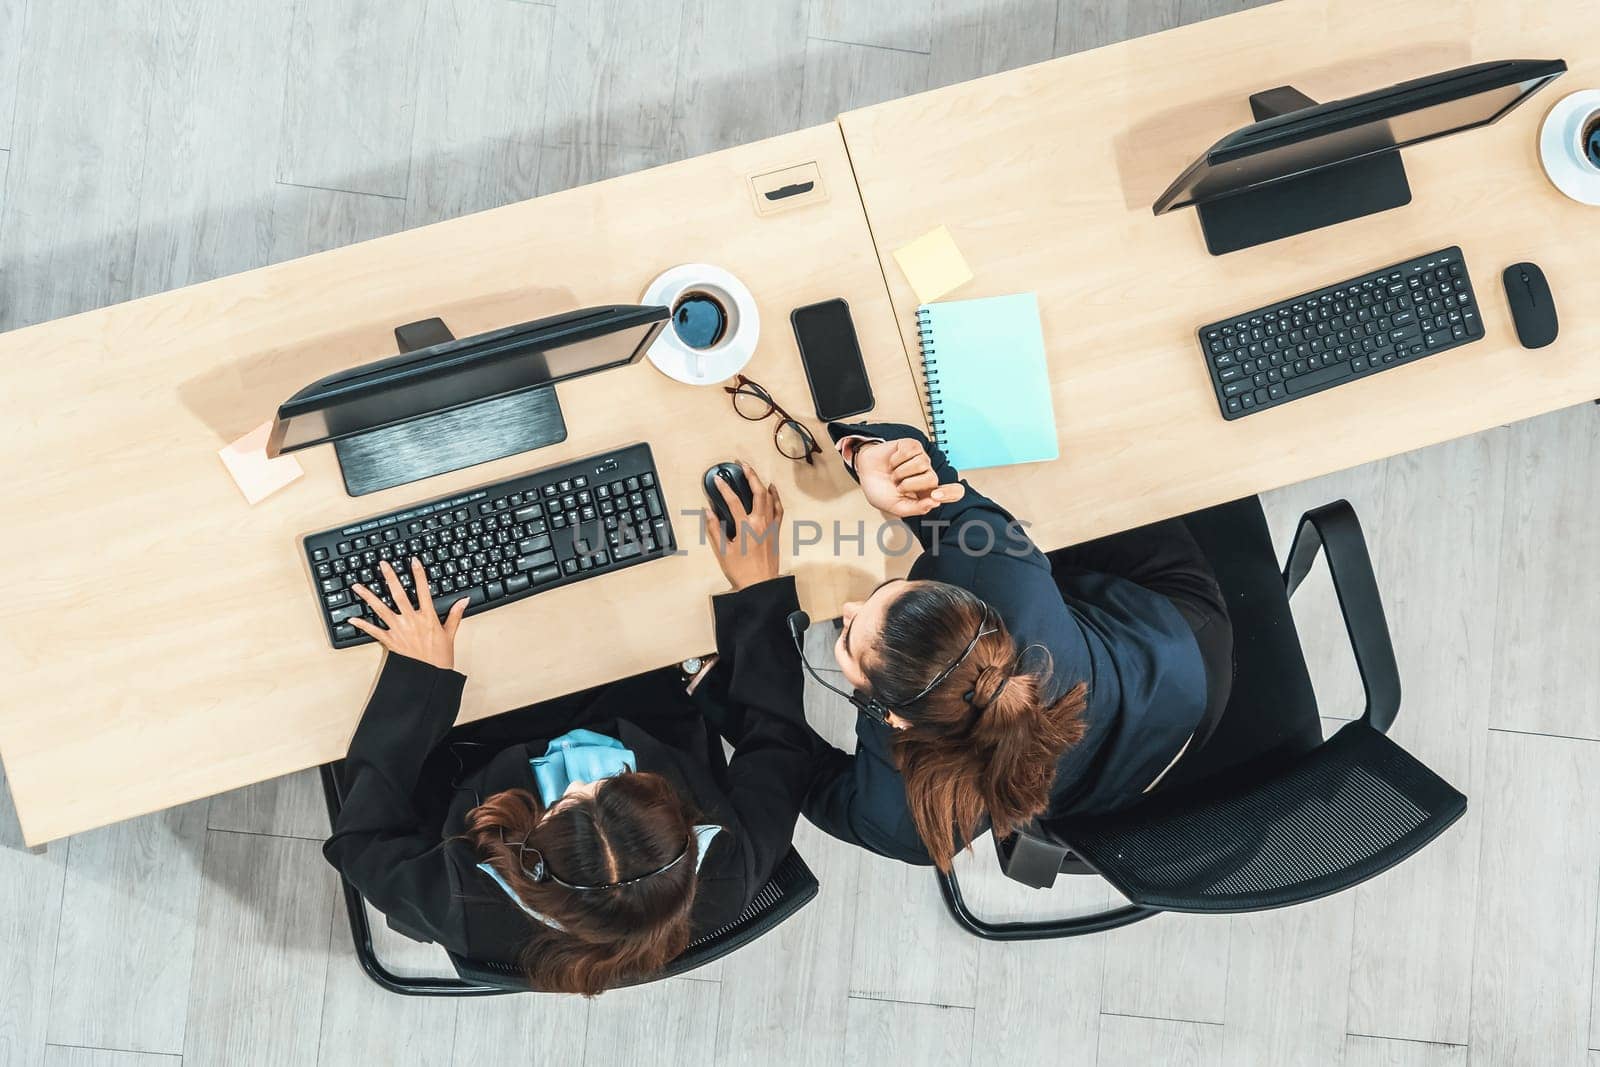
column 586, row 839
column 997, row 683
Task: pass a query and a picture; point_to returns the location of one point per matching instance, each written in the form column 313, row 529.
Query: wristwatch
column 695, row 668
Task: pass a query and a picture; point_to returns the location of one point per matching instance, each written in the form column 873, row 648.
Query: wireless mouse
column 1533, row 309
column 733, row 474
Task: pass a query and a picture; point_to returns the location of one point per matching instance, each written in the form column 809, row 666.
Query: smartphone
column 832, row 358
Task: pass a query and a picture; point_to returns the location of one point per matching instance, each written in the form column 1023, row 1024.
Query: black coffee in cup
column 1591, row 140
column 699, row 320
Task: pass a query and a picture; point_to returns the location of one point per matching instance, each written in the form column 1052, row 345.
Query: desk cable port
column 790, row 190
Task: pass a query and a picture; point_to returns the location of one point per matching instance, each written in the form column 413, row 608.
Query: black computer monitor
column 463, row 371
column 1305, row 165
column 458, row 401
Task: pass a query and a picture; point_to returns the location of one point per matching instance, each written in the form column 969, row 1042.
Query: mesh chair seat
column 1348, row 810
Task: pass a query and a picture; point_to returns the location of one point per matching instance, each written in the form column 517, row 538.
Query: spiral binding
column 930, row 376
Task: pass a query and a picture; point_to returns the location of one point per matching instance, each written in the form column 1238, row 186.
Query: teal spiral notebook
column 988, row 385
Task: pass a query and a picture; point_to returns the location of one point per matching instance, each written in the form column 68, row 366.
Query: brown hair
column 995, row 752
column 634, row 824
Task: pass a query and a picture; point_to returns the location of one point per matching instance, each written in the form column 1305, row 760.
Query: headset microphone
column 799, row 622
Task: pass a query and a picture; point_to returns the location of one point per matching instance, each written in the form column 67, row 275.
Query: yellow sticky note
column 933, row 265
column 257, row 476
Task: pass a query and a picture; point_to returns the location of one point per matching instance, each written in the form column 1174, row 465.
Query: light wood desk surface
column 136, row 685
column 166, row 645
column 1045, row 176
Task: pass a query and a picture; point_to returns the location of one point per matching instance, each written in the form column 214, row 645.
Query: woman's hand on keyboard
column 408, row 630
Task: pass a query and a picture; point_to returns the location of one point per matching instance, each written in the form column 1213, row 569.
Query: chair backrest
column 1272, row 708
column 790, row 888
column 1338, row 815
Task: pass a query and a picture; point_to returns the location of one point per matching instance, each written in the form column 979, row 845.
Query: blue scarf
column 579, row 756
column 584, row 756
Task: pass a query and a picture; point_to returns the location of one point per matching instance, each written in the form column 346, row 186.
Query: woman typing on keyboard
column 1001, row 684
column 586, row 840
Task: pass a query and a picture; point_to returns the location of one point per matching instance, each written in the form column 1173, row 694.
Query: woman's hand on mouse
column 898, row 478
column 407, row 629
column 752, row 556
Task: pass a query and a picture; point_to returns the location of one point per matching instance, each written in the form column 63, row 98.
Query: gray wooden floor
column 148, row 144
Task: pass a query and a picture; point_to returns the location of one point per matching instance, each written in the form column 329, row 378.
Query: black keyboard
column 499, row 543
column 1352, row 330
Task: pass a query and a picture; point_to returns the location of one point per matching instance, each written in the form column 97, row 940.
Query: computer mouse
column 733, row 474
column 1533, row 309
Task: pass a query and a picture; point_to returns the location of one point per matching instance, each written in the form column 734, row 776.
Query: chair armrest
column 1032, row 859
column 1334, row 527
column 361, row 931
column 1036, row 929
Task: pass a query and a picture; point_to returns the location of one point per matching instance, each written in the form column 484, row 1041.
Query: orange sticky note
column 257, row 476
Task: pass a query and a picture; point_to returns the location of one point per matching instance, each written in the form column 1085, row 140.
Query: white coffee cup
column 1564, row 145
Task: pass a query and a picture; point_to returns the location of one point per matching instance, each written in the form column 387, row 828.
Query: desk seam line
column 883, row 272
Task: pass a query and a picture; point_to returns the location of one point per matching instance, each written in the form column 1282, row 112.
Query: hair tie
column 1001, row 688
column 970, row 693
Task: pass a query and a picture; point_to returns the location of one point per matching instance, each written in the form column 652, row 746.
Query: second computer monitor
column 1305, row 165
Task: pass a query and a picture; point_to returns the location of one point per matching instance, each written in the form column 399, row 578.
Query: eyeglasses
column 753, row 402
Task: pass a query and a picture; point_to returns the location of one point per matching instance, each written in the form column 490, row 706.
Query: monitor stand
column 1295, row 205
column 448, row 440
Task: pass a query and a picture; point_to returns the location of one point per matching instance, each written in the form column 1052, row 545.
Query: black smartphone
column 832, row 358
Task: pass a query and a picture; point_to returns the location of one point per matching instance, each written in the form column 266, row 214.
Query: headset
column 871, row 707
column 540, row 870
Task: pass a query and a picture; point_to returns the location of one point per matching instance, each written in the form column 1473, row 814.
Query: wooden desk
column 167, row 647
column 1045, row 177
column 134, row 687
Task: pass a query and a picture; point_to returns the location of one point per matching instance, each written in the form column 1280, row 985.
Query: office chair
column 791, row 887
column 1279, row 824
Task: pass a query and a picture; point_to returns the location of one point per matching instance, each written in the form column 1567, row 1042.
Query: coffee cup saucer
column 721, row 361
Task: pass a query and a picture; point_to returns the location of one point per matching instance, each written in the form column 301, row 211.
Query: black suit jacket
column 1139, row 658
column 395, row 843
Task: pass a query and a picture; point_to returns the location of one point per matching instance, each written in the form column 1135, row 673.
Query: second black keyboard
column 499, row 543
column 1352, row 330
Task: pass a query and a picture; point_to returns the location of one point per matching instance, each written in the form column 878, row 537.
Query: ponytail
column 984, row 741
column 1020, row 737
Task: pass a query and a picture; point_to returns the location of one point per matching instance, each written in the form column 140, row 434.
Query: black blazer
column 394, row 843
column 1145, row 677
